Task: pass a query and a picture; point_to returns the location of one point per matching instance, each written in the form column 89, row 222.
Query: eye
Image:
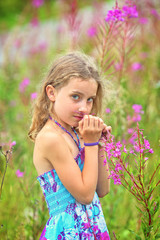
column 75, row 97
column 90, row 99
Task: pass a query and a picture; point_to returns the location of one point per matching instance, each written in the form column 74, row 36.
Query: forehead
column 88, row 86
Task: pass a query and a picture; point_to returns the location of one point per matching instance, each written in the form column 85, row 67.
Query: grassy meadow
column 125, row 43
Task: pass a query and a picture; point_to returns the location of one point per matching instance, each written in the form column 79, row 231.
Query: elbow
column 86, row 199
column 102, row 194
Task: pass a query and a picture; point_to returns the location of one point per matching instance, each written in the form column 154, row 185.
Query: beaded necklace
column 58, row 124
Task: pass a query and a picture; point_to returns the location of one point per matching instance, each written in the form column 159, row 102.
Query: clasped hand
column 91, row 128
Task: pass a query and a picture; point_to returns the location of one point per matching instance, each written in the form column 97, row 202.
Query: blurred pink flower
column 19, row 173
column 114, row 15
column 13, row 143
column 130, row 12
column 18, row 43
column 92, row 31
column 118, row 14
column 155, row 13
column 143, row 20
column 137, row 108
column 37, row 3
column 42, row 46
column 130, row 130
column 118, row 66
column 34, row 22
column 33, row 95
column 136, row 66
column 24, row 84
column 108, row 110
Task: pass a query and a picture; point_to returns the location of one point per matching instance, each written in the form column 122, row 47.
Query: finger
column 81, row 125
column 109, row 129
column 96, row 122
column 86, row 121
column 91, row 121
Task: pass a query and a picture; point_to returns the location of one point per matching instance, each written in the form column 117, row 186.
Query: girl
column 67, row 155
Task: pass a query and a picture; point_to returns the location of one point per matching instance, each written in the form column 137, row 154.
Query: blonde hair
column 74, row 64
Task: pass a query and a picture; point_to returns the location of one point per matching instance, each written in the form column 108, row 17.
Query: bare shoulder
column 48, row 138
column 49, row 144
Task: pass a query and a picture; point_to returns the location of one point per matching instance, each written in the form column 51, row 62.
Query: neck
column 63, row 124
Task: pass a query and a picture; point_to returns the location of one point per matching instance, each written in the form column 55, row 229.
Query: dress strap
column 78, row 140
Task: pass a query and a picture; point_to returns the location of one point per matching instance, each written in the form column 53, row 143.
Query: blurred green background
column 32, row 33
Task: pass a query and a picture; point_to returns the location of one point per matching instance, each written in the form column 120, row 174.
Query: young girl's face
column 74, row 100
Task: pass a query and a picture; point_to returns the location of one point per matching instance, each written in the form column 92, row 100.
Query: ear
column 51, row 92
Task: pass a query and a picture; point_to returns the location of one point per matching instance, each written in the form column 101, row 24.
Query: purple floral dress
column 69, row 219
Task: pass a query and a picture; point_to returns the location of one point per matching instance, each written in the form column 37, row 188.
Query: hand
column 90, row 128
column 106, row 132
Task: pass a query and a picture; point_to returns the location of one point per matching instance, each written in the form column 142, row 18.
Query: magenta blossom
column 37, row 3
column 92, row 31
column 19, row 173
column 137, row 108
column 118, row 14
column 108, row 110
column 143, row 21
column 136, row 66
column 23, row 85
column 130, row 12
column 33, row 95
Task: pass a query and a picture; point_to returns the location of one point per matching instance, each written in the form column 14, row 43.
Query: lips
column 78, row 117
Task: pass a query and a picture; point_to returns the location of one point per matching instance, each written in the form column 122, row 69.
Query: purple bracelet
column 91, row 144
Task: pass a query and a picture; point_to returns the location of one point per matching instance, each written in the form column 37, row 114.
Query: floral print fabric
column 70, row 220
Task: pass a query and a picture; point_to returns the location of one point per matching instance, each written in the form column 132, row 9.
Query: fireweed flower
column 137, row 108
column 114, row 15
column 118, row 14
column 136, row 66
column 23, row 85
column 108, row 110
column 130, row 11
column 33, row 95
column 115, row 177
column 143, row 21
column 19, row 173
column 37, row 3
column 92, row 31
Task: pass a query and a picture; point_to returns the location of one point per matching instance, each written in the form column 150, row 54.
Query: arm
column 82, row 185
column 103, row 183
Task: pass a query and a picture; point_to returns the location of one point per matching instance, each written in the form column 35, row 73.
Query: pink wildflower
column 146, row 144
column 115, row 177
column 34, row 22
column 108, row 110
column 37, row 3
column 92, row 31
column 33, row 95
column 118, row 167
column 114, row 15
column 24, row 84
column 13, row 144
column 136, row 118
column 143, row 21
column 151, row 150
column 136, row 66
column 137, row 108
column 19, row 173
column 130, row 130
column 130, row 11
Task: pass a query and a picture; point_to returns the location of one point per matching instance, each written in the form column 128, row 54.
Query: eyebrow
column 94, row 96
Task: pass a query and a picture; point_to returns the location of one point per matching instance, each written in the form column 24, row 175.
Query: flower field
column 124, row 38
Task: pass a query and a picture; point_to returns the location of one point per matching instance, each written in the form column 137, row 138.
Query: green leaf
column 137, row 236
column 157, row 236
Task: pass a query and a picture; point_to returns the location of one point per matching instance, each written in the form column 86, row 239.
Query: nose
column 83, row 108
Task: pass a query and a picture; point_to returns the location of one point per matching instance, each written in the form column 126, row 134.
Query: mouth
column 79, row 117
